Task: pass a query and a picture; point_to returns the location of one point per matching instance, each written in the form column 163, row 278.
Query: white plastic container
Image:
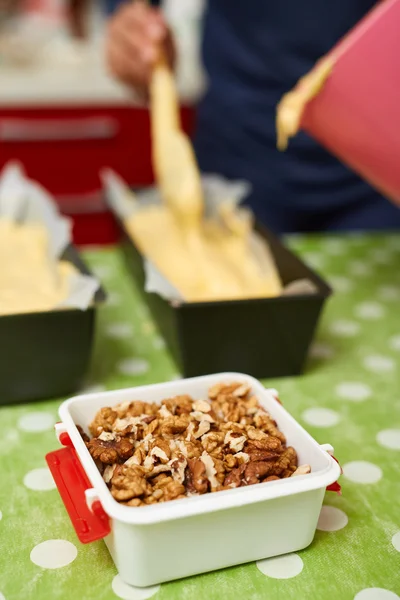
column 158, row 543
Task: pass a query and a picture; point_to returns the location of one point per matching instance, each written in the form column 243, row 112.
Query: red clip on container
column 90, row 522
column 357, row 114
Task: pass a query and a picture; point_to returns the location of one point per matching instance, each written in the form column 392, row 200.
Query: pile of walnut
column 149, row 453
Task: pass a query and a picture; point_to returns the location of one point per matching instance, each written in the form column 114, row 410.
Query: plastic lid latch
column 91, row 523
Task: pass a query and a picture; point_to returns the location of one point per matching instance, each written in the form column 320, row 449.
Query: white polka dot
column 319, row 350
column 393, row 242
column 361, row 471
column 159, row 343
column 1, row 516
column 315, row 260
column 321, row 417
column 281, row 567
column 102, row 271
column 396, row 541
column 39, row 480
column 54, row 554
column 334, row 246
column 114, row 299
column 394, row 342
column 376, row 594
column 128, row 592
column 344, row 328
column 332, row 519
column 378, row 364
column 359, row 268
column 95, row 388
column 380, row 256
column 390, row 293
column 353, row 390
column 119, row 330
column 389, row 438
column 371, row 311
column 133, row 366
column 341, row 284
column 36, row 421
column 2, row 597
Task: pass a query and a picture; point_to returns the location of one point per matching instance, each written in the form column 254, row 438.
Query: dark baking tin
column 262, row 337
column 46, row 355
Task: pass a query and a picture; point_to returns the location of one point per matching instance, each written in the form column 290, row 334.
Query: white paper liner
column 25, row 201
column 124, row 203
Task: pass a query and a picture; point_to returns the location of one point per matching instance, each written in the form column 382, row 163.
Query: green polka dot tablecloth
column 349, row 397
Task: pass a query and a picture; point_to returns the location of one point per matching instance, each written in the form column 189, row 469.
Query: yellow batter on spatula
column 291, row 107
column 204, row 260
column 179, row 181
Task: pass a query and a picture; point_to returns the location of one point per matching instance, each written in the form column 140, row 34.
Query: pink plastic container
column 357, row 114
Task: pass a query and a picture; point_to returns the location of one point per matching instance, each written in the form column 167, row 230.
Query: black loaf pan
column 262, row 337
column 46, row 355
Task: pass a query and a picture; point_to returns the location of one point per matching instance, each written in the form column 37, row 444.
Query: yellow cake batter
column 29, row 280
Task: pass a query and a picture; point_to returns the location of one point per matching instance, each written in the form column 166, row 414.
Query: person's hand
column 136, row 35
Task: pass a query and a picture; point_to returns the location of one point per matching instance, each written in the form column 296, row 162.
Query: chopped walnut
column 109, row 472
column 138, row 457
column 235, row 460
column 235, row 441
column 179, row 405
column 128, row 483
column 266, row 443
column 303, row 470
column 201, row 406
column 204, row 427
column 178, row 468
column 212, row 440
column 234, row 479
column 193, row 449
column 256, row 470
column 174, row 425
column 173, row 490
column 107, row 436
column 241, row 391
column 223, row 388
column 110, row 452
column 133, row 502
column 159, row 454
column 264, row 422
column 104, row 421
column 164, row 413
column 149, row 453
column 151, row 428
column 200, row 416
column 210, row 469
column 197, row 480
column 161, row 449
column 286, row 462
